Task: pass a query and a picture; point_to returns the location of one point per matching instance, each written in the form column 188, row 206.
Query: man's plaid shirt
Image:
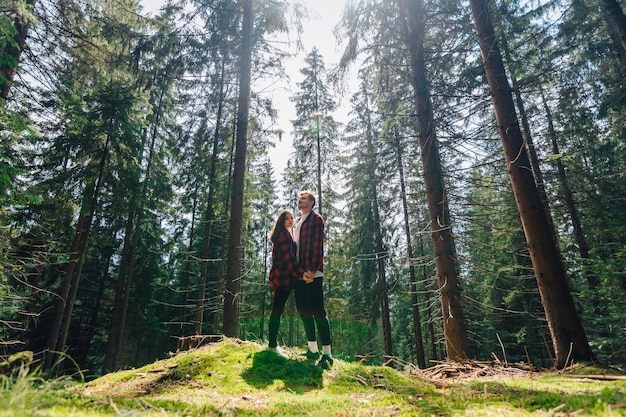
column 311, row 243
column 285, row 269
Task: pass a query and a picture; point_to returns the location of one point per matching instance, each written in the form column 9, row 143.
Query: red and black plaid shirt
column 285, row 269
column 311, row 243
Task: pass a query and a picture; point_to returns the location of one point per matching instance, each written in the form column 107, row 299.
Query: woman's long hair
column 279, row 226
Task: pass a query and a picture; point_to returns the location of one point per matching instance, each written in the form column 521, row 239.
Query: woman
column 283, row 273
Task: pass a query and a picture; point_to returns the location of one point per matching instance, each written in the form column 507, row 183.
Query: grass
column 235, row 378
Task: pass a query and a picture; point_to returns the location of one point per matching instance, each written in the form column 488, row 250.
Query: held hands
column 308, row 277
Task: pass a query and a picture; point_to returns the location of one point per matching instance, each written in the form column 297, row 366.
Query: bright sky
column 317, row 32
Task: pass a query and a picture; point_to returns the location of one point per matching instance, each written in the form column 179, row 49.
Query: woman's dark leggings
column 278, row 306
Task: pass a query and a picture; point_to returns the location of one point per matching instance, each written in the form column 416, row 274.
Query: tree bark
column 232, row 293
column 115, row 326
column 581, row 240
column 34, row 255
column 117, row 329
column 381, row 254
column 530, row 145
column 616, row 27
column 61, row 307
column 94, row 307
column 417, row 322
column 186, row 273
column 8, row 70
column 568, row 336
column 224, row 249
column 206, row 232
column 69, row 288
column 455, row 330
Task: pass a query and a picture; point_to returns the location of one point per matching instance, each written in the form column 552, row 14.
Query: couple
column 298, row 263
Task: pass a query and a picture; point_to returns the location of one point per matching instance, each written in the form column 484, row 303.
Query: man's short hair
column 309, row 194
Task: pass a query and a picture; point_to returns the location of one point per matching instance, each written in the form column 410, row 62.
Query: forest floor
column 237, row 378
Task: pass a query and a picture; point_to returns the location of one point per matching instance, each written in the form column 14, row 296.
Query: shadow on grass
column 268, row 367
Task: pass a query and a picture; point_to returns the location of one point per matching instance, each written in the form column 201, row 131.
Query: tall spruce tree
column 315, row 131
column 440, row 222
column 568, row 336
column 232, row 295
column 366, row 173
column 150, row 186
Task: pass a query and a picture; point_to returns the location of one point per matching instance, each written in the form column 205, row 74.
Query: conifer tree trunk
column 434, row 352
column 92, row 319
column 69, row 288
column 568, row 336
column 265, row 281
column 530, row 145
column 206, row 233
column 36, row 251
column 115, row 326
column 381, row 252
column 455, row 330
column 581, row 240
column 232, row 294
column 117, row 329
column 417, row 323
column 616, row 27
column 223, row 262
column 204, row 253
column 186, row 273
column 126, row 286
column 14, row 51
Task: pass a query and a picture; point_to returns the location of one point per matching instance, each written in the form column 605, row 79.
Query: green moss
column 234, row 378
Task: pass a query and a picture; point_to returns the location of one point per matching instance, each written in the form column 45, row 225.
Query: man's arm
column 317, row 243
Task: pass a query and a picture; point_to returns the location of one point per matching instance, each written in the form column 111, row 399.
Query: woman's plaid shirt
column 311, row 243
column 285, row 269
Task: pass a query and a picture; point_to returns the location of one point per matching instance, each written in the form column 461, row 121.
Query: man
column 308, row 233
